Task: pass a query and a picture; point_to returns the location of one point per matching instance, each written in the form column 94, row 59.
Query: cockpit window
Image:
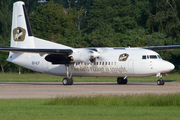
column 144, row 57
column 153, row 57
column 159, row 56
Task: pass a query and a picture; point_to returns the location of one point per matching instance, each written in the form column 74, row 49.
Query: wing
column 40, row 51
column 171, row 47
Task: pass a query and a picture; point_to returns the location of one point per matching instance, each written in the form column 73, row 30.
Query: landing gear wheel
column 121, row 80
column 71, row 81
column 125, row 81
column 67, row 81
column 160, row 82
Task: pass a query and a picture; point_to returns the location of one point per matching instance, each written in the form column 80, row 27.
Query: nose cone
column 163, row 66
column 169, row 66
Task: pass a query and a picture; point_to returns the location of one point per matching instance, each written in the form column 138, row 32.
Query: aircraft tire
column 125, row 81
column 160, row 82
column 71, row 81
column 120, row 80
column 67, row 81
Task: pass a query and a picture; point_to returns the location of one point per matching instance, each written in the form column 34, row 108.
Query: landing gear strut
column 68, row 80
column 121, row 80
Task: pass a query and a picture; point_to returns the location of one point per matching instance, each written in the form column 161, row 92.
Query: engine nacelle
column 83, row 55
column 57, row 59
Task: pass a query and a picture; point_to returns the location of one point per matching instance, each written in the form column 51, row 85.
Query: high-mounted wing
column 171, row 47
column 40, row 51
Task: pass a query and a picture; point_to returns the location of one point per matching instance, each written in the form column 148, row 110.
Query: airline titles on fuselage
column 100, row 69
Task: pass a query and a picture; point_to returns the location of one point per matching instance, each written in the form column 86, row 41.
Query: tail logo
column 19, row 34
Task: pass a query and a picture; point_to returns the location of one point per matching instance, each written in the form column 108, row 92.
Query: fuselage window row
column 97, row 63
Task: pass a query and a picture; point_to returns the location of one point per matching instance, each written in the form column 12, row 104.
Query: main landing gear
column 68, row 80
column 121, row 80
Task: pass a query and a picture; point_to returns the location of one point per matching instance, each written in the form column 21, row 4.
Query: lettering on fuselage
column 100, row 69
column 35, row 62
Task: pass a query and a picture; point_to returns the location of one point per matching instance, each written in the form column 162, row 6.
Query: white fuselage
column 112, row 62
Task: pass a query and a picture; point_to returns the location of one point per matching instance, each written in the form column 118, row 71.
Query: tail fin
column 21, row 33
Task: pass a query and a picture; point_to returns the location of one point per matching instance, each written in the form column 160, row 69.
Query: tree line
column 99, row 23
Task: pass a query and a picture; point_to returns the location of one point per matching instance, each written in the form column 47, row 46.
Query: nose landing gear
column 160, row 81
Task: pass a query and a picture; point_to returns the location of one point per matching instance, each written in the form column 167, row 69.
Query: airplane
column 60, row 60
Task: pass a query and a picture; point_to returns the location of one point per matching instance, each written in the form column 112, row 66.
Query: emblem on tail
column 19, row 34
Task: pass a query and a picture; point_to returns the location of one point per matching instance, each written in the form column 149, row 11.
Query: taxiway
column 9, row 90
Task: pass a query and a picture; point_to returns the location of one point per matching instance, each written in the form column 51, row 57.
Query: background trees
column 99, row 23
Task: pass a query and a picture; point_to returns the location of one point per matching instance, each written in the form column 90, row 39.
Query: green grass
column 107, row 107
column 172, row 99
column 38, row 77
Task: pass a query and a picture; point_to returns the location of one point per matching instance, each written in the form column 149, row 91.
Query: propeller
column 84, row 55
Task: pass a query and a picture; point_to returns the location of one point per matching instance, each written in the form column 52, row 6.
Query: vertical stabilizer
column 21, row 33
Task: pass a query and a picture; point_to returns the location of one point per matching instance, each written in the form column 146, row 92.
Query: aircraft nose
column 169, row 66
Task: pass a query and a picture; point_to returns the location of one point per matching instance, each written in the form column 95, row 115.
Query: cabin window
column 99, row 63
column 114, row 63
column 111, row 63
column 108, row 63
column 102, row 63
column 144, row 57
column 78, row 63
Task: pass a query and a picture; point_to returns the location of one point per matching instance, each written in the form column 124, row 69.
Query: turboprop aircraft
column 56, row 59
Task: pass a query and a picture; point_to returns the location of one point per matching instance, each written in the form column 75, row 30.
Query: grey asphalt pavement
column 9, row 90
